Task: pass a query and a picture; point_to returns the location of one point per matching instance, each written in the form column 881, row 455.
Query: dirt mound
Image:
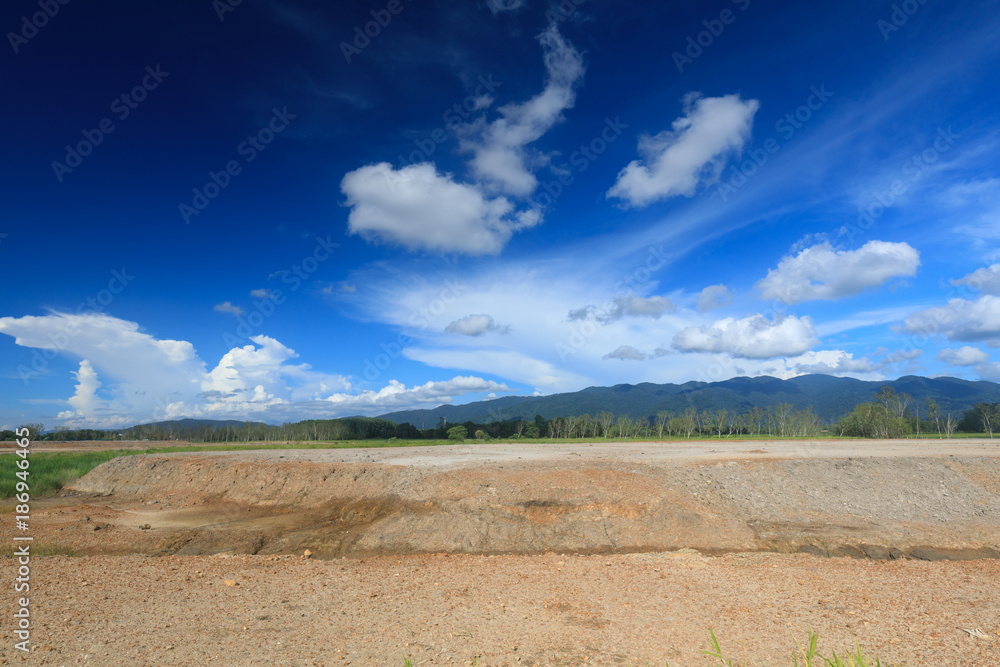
column 273, row 502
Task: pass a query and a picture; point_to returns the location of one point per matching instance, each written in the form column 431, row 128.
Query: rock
column 307, row 553
column 230, row 582
column 849, row 551
column 896, row 554
column 875, row 551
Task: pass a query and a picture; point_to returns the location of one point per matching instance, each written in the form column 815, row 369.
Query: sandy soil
column 505, row 610
column 525, row 554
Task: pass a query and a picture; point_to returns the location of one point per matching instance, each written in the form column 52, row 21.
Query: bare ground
column 565, row 554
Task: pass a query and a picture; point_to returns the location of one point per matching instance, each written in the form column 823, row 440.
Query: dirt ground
column 520, row 555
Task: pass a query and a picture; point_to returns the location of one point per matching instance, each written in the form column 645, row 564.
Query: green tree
column 934, row 414
column 458, row 433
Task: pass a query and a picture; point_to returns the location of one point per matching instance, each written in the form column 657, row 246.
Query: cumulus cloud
column 85, row 402
column 421, row 209
column 263, row 293
column 227, row 307
column 475, row 325
column 624, row 306
column 418, row 208
column 712, row 297
column 752, row 337
column 675, row 162
column 963, row 356
column 961, row 320
column 146, row 378
column 986, row 280
column 395, row 395
column 821, row 272
column 832, row 362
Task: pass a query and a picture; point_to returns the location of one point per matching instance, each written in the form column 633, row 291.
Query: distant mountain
column 830, row 397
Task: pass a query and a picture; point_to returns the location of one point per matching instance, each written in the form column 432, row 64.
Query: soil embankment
column 874, row 500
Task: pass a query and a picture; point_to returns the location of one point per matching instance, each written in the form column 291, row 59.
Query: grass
column 48, row 472
column 807, row 656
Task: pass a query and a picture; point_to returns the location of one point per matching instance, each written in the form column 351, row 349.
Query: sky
column 280, row 210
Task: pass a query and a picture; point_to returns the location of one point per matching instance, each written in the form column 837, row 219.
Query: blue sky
column 286, row 210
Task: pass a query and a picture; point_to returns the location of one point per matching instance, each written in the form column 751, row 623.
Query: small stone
column 230, row 582
column 307, row 553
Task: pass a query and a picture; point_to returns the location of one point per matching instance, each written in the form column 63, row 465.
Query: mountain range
column 830, row 398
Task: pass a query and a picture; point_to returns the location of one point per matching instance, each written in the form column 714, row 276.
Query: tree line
column 892, row 415
column 889, row 415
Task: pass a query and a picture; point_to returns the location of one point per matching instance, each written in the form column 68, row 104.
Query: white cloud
column 831, row 362
column 626, row 352
column 497, row 6
column 898, row 356
column 752, row 337
column 986, row 280
column 226, row 307
column 625, row 306
column 395, row 395
column 963, row 356
column 961, row 320
column 420, row 209
column 714, row 296
column 498, row 148
column 84, row 401
column 147, row 379
column 475, row 325
column 989, row 371
column 511, row 364
column 676, row 161
column 263, row 293
column 820, row 272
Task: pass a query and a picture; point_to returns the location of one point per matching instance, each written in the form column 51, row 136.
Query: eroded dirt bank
column 783, row 497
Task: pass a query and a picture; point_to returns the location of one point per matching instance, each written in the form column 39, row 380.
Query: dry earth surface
column 603, row 553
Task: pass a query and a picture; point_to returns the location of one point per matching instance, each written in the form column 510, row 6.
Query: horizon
column 496, row 418
column 309, row 212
